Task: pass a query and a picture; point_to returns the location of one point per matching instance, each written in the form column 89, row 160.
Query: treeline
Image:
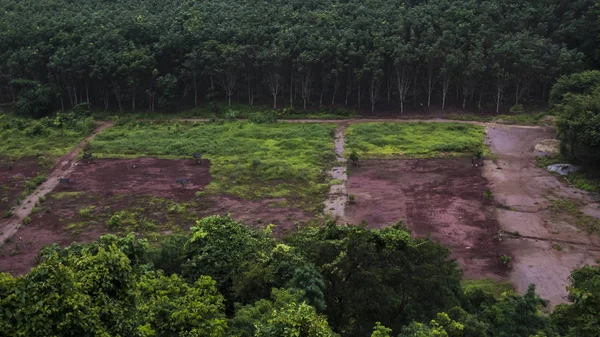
column 225, row 279
column 136, row 55
column 575, row 99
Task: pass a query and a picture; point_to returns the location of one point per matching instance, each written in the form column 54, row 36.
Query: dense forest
column 147, row 55
column 319, row 282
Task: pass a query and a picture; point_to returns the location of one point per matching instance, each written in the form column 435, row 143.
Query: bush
column 265, row 117
column 114, row 221
column 515, row 109
column 33, row 99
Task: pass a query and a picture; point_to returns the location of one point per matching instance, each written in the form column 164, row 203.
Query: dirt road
column 544, row 248
column 64, row 167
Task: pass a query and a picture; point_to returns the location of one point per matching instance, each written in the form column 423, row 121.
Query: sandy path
column 335, row 205
column 63, row 168
column 526, row 192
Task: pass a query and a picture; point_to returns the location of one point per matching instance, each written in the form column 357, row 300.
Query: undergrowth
column 251, row 161
column 381, row 140
column 496, row 288
column 54, row 136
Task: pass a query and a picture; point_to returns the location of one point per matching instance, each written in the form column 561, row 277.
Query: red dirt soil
column 121, row 184
column 438, row 197
column 139, row 176
column 12, row 179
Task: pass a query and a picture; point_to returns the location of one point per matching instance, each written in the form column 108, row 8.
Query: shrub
column 517, row 109
column 265, row 117
column 351, row 199
column 489, row 195
column 114, row 221
column 353, row 157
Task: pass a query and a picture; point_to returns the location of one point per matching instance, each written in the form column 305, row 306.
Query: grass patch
column 568, row 210
column 384, row 140
column 487, row 285
column 21, row 137
column 251, row 161
column 62, row 195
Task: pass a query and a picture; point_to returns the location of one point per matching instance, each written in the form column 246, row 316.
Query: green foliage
column 381, row 331
column 516, row 109
column 581, row 318
column 488, row 286
column 488, row 194
column 353, row 157
column 86, row 212
column 414, row 139
column 33, row 98
column 171, row 307
column 349, row 257
column 577, row 106
column 578, row 84
column 223, row 249
column 26, row 137
column 282, row 315
column 263, row 117
column 169, row 255
column 247, row 160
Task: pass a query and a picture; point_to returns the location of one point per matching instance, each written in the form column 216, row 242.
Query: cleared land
column 249, row 161
column 440, row 197
column 443, row 198
column 28, row 151
column 277, row 173
column 260, row 174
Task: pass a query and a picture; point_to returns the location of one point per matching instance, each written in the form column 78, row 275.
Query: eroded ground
column 443, row 198
column 545, row 234
column 133, row 195
column 13, row 177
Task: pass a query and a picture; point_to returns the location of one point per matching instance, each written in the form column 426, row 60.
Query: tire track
column 63, row 168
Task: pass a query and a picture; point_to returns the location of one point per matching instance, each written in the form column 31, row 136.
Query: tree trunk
column 12, row 94
column 292, row 88
column 105, row 99
column 445, row 86
column 133, row 90
column 87, row 91
column 336, row 85
column 402, row 83
column 415, row 89
column 348, row 86
column 358, row 93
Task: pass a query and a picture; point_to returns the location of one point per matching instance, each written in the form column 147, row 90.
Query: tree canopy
column 136, row 55
column 319, row 282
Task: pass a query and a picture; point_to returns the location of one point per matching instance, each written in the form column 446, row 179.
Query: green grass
column 487, row 285
column 20, row 137
column 384, row 140
column 251, row 161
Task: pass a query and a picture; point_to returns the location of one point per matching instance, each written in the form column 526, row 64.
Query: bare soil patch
column 153, row 176
column 145, row 191
column 13, row 174
column 549, row 244
column 443, row 198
